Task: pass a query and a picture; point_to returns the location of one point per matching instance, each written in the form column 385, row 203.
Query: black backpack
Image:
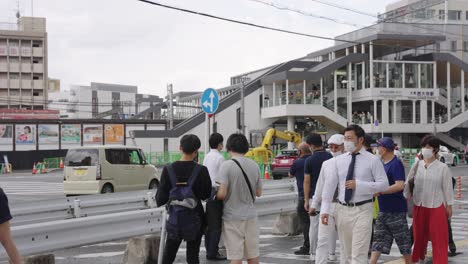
column 184, row 221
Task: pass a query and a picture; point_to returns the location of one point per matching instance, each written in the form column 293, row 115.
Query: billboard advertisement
column 71, row 134
column 92, row 134
column 114, row 134
column 6, row 134
column 48, row 134
column 25, row 134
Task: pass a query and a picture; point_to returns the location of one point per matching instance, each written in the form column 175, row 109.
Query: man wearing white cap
column 327, row 234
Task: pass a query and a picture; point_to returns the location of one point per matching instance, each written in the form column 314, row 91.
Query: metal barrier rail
column 99, row 204
column 49, row 236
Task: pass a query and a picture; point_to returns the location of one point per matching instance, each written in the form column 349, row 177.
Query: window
column 437, row 47
column 466, row 14
column 465, row 46
column 431, row 14
column 134, row 156
column 82, row 157
column 117, row 156
column 35, row 93
column 238, row 118
column 420, row 13
column 454, row 15
column 442, row 14
column 453, row 45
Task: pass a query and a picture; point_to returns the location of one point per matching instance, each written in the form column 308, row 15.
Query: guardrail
column 99, row 204
column 49, row 236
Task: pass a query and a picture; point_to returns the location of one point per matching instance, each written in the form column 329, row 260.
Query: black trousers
column 452, row 246
column 305, row 221
column 193, row 248
column 214, row 221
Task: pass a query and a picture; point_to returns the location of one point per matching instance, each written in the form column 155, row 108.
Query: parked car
column 282, row 163
column 107, row 169
column 445, row 156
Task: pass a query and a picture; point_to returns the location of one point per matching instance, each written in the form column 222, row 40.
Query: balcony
column 3, row 83
column 3, row 67
column 26, row 84
column 38, row 68
column 38, row 52
column 14, row 84
column 26, row 67
column 14, row 67
column 38, row 84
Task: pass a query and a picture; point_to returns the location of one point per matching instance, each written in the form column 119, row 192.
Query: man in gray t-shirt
column 239, row 213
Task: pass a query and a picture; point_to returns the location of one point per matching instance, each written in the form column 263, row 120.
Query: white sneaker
column 312, row 257
column 332, row 257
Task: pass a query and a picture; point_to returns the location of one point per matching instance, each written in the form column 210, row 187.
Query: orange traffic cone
column 267, row 173
column 61, row 164
column 44, row 168
column 34, row 171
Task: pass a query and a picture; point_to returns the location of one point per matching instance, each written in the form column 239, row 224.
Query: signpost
column 209, row 104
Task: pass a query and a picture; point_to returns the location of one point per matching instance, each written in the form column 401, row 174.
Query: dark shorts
column 391, row 226
column 5, row 214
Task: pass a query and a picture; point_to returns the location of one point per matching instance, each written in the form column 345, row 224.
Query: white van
column 107, row 169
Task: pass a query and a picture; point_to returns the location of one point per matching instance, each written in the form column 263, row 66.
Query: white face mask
column 427, row 153
column 350, row 146
column 335, row 154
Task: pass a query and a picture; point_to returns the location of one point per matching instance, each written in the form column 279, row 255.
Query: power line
column 284, row 8
column 345, row 8
column 275, row 29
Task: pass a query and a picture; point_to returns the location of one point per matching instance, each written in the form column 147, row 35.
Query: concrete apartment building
column 23, row 64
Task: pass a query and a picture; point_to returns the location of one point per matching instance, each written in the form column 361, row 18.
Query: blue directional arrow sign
column 210, row 101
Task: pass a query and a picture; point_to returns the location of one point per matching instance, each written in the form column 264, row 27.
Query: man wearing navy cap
column 391, row 221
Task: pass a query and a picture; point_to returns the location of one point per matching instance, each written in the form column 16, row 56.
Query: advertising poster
column 71, row 134
column 92, row 134
column 114, row 134
column 6, row 134
column 48, row 134
column 25, row 134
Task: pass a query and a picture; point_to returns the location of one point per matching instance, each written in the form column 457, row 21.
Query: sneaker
column 331, row 257
column 312, row 257
column 302, row 251
column 217, row 257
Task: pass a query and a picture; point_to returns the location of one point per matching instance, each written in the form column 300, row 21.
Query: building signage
column 92, row 134
column 48, row 134
column 25, row 134
column 404, row 93
column 6, row 134
column 71, row 134
column 114, row 134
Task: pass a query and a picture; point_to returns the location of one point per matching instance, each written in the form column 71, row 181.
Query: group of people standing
column 337, row 190
column 230, row 189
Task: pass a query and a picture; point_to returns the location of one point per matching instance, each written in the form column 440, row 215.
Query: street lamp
column 349, row 102
column 244, row 79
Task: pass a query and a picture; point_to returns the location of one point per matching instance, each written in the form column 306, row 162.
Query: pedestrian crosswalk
column 31, row 188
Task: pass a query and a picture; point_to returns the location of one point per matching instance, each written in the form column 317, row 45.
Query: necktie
column 350, row 176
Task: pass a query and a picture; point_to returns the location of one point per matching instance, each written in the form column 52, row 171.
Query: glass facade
column 411, row 75
column 395, row 75
column 427, row 75
column 380, row 75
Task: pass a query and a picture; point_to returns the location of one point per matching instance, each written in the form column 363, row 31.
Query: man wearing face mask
column 327, row 235
column 430, row 186
column 358, row 175
column 312, row 168
column 391, row 221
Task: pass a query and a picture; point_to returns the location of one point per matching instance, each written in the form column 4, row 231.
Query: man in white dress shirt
column 327, row 235
column 214, row 208
column 358, row 175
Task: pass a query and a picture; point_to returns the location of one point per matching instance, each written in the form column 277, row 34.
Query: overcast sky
column 130, row 42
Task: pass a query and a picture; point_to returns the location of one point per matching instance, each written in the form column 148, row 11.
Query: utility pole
column 170, row 107
column 244, row 79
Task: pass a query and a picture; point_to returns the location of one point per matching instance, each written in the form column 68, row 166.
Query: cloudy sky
column 130, row 42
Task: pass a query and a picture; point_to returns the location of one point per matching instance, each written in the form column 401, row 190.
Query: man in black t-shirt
column 189, row 145
column 5, row 232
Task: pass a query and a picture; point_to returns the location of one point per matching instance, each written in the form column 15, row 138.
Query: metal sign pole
column 207, row 134
column 162, row 241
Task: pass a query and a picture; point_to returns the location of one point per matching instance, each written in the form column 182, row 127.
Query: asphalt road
column 23, row 187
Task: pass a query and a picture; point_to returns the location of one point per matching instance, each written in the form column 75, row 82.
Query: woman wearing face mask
column 432, row 194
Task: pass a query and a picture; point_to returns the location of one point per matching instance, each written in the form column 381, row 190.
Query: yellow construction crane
column 263, row 153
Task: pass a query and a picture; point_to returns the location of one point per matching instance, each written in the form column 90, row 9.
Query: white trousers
column 327, row 236
column 313, row 231
column 354, row 231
